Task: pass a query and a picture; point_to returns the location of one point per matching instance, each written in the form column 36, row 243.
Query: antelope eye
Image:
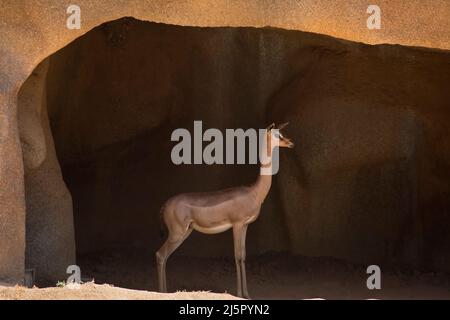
column 277, row 135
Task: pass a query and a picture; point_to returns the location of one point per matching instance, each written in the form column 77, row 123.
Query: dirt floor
column 92, row 291
column 270, row 276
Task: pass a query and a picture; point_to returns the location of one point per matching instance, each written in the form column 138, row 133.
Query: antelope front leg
column 243, row 254
column 239, row 232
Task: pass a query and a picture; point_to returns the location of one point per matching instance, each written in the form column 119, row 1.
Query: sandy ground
column 92, row 291
column 271, row 276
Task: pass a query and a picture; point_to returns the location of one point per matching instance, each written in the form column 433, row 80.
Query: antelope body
column 215, row 212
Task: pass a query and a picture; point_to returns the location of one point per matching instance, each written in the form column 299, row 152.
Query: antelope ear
column 270, row 127
column 281, row 126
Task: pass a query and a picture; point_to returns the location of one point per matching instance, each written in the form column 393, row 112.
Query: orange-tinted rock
column 368, row 178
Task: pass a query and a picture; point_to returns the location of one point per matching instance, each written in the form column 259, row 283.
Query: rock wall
column 367, row 181
column 33, row 30
column 12, row 213
column 50, row 245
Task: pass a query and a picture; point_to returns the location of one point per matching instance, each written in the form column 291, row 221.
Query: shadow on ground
column 270, row 276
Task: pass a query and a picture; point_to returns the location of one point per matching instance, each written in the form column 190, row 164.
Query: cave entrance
column 113, row 97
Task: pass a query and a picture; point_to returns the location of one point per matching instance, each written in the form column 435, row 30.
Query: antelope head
column 283, row 141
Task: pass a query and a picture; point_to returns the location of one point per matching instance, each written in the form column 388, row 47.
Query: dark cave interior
column 348, row 191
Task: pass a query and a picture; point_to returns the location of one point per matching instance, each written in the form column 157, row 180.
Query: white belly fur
column 211, row 230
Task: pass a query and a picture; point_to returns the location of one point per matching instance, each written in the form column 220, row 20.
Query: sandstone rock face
column 360, row 184
column 368, row 179
column 12, row 213
column 49, row 222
